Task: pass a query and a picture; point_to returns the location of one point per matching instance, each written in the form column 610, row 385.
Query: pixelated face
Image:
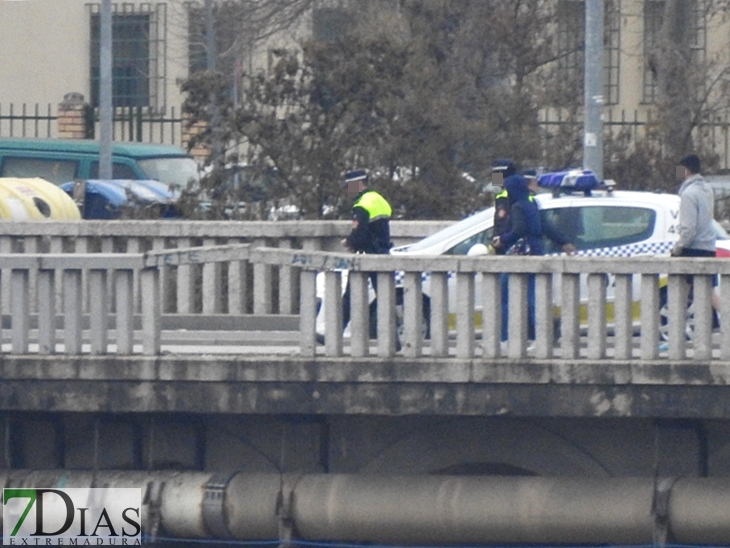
column 354, row 188
column 497, row 178
column 681, row 175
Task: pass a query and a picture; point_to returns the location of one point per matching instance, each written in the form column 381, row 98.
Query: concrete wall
column 369, row 444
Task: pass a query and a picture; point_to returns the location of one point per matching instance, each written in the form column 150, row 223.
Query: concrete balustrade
column 585, row 290
column 592, row 302
column 190, row 288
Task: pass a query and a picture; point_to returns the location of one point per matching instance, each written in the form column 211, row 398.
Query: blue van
column 63, row 160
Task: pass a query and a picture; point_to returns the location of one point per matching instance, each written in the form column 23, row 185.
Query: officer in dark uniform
column 501, row 169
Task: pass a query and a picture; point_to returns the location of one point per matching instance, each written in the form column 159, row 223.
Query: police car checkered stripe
column 642, row 248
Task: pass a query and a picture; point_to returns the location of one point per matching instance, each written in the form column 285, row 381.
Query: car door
column 607, row 228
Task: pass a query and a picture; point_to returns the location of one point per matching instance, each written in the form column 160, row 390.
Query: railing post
column 126, row 304
column 623, row 317
column 517, row 315
column 702, row 302
column 72, row 307
column 544, row 316
column 333, row 312
column 46, row 311
column 359, row 314
column 725, row 317
column 439, row 314
column 386, row 314
column 262, row 285
column 99, row 311
column 286, row 283
column 19, row 284
column 465, row 315
column 650, row 316
column 413, row 315
column 151, row 311
column 597, row 284
column 185, row 294
column 212, row 298
column 491, row 315
column 677, row 295
column 308, row 314
column 570, row 316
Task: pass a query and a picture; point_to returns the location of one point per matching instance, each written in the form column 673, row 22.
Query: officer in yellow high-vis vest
column 370, row 226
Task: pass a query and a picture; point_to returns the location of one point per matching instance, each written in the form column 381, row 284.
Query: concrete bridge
column 111, row 361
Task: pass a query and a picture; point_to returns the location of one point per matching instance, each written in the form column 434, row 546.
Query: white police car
column 600, row 221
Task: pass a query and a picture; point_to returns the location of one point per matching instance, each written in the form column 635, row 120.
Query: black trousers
column 346, row 297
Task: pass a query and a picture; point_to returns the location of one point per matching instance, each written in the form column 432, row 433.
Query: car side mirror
column 477, row 250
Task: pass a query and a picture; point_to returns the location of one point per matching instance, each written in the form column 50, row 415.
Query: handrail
column 558, row 282
column 593, row 296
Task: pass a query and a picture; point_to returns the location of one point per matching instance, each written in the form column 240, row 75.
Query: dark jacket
column 525, row 219
column 501, row 217
column 371, row 224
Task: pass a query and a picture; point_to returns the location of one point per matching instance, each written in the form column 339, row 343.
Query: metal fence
column 165, row 125
column 140, row 124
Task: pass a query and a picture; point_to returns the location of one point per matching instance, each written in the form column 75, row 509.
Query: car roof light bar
column 573, row 181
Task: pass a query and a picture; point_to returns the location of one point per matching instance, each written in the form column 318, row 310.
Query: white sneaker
column 531, row 347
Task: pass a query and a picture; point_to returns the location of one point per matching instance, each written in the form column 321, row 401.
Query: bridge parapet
column 190, row 288
column 608, row 300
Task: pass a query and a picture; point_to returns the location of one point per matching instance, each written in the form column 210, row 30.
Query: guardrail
column 109, row 292
column 558, row 287
column 189, row 288
column 576, row 287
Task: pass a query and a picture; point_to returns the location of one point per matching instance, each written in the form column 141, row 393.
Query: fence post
column 73, row 117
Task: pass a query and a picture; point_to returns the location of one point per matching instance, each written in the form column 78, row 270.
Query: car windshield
column 177, row 171
column 457, row 228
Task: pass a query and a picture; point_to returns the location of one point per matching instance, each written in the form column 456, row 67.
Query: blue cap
column 356, row 175
column 504, row 166
column 529, row 174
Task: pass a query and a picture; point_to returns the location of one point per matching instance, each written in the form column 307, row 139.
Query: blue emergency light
column 573, row 180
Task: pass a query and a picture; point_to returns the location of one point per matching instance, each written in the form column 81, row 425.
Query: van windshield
column 172, row 171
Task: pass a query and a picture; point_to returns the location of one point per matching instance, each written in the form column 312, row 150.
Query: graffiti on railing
column 174, row 258
column 322, row 262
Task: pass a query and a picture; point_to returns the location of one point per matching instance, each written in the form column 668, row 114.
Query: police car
column 599, row 220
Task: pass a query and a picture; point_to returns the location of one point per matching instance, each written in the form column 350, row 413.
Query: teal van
column 63, row 160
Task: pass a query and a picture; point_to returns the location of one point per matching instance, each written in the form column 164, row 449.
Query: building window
column 138, row 54
column 611, row 52
column 653, row 18
column 571, row 46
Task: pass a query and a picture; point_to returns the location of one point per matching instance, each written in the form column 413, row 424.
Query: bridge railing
column 33, row 281
column 600, row 304
column 191, row 288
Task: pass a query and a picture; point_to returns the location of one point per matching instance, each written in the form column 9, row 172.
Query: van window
column 119, row 171
column 173, row 171
column 55, row 171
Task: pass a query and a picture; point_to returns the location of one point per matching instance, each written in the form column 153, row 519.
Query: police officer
column 370, row 227
column 370, row 216
column 501, row 169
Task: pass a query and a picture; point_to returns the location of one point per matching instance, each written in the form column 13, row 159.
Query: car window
column 55, row 171
column 119, row 171
column 463, row 247
column 599, row 226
